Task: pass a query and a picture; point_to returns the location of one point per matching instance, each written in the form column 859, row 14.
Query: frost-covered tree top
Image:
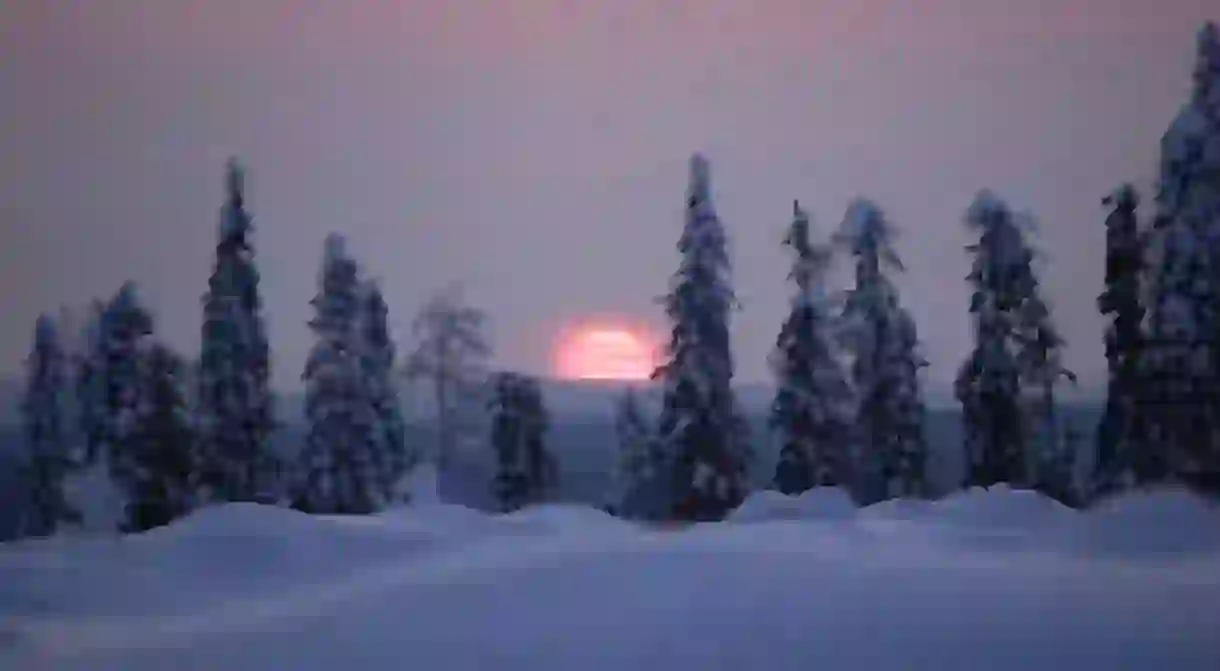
column 1188, row 199
column 868, row 236
column 988, row 213
column 233, row 285
column 1123, row 199
column 1190, row 148
column 866, row 233
column 703, row 239
column 812, row 261
column 46, row 362
column 234, row 220
column 334, row 250
column 46, row 337
column 1206, row 91
column 337, row 302
column 376, row 326
column 46, row 381
column 45, row 330
column 1125, row 248
column 1002, row 259
column 126, row 298
column 125, row 317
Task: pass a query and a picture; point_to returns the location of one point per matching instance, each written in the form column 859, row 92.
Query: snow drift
column 987, row 579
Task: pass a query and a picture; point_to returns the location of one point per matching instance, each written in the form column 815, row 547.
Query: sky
column 537, row 150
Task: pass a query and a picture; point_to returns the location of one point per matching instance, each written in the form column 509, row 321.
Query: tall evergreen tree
column 811, row 413
column 700, row 429
column 885, row 364
column 339, row 469
column 989, row 383
column 50, row 458
column 88, row 387
column 235, row 413
column 1119, row 431
column 908, row 473
column 395, row 458
column 526, row 471
column 155, row 471
column 640, row 486
column 124, row 329
column 1182, row 362
column 1051, row 459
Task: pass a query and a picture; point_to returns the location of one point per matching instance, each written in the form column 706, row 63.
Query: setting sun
column 604, row 352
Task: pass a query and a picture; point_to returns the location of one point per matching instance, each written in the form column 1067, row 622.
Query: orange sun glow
column 604, row 352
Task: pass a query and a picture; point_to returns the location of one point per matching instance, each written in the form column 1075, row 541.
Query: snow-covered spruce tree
column 339, row 468
column 395, row 457
column 892, row 449
column 908, row 474
column 989, row 382
column 1039, row 354
column 1182, row 384
column 50, row 458
column 1122, row 302
column 451, row 353
column 639, row 476
column 700, row 430
column 124, row 330
column 88, row 385
column 234, row 413
column 156, row 470
column 811, row 413
column 526, row 472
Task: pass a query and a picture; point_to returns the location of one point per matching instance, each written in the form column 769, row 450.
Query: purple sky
column 538, row 150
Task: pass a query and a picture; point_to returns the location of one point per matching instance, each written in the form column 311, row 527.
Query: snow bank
column 996, row 508
column 560, row 588
column 568, row 519
column 438, row 519
column 822, row 503
column 1161, row 522
column 899, row 510
column 1000, row 507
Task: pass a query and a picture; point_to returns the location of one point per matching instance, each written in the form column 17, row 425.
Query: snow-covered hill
column 984, row 580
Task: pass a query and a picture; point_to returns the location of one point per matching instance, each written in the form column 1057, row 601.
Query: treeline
column 848, row 410
column 174, row 435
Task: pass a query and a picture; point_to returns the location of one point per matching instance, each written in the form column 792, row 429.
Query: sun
column 604, row 351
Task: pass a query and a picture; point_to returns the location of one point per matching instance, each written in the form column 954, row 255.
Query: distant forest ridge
column 566, row 397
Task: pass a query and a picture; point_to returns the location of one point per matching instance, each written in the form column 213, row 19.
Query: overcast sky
column 537, row 149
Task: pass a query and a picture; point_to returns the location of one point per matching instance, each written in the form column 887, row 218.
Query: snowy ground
column 986, row 580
